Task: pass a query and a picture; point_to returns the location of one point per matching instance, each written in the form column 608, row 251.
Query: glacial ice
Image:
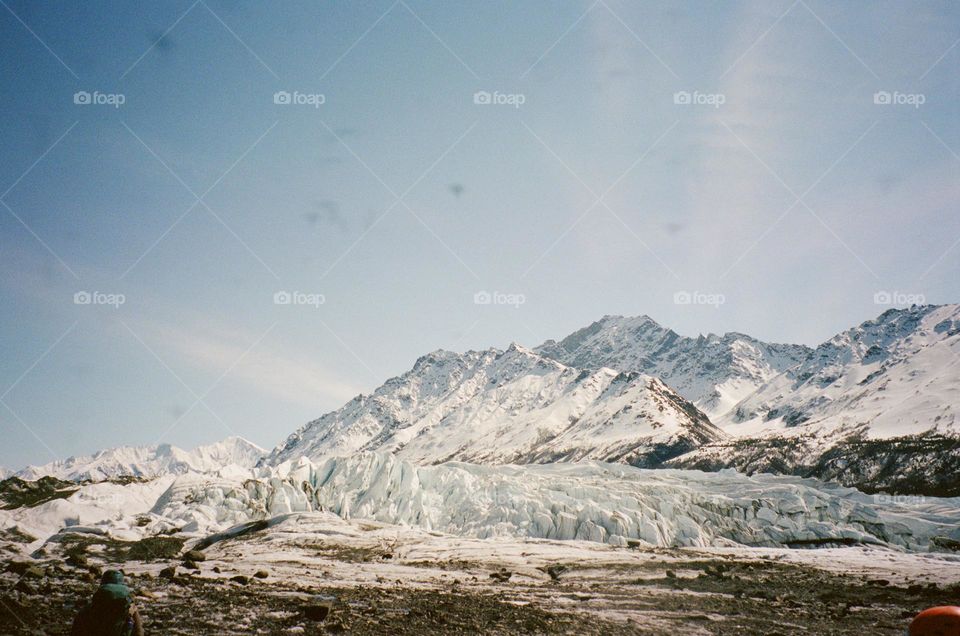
column 593, row 501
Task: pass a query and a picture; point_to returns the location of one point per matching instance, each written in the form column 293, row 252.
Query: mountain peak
column 509, row 406
column 618, row 321
column 870, row 376
column 714, row 372
column 435, row 356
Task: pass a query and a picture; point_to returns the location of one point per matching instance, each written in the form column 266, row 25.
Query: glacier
column 592, row 501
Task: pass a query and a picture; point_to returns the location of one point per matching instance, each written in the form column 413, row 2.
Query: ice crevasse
column 592, row 501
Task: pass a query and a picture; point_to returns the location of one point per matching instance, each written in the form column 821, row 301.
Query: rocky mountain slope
column 874, row 406
column 512, row 406
column 149, row 461
column 714, row 372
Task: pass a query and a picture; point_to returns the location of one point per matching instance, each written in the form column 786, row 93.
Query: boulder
column 24, row 588
column 946, row 543
column 501, row 576
column 317, row 611
column 18, row 567
column 554, row 571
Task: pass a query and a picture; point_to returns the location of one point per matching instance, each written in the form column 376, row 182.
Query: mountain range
column 147, row 462
column 873, row 407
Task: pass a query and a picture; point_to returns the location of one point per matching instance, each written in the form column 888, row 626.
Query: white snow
column 101, row 507
column 607, row 503
column 150, row 461
column 504, row 406
column 714, row 372
column 897, row 375
column 894, row 376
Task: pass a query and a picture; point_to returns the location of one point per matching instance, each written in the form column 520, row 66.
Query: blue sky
column 780, row 201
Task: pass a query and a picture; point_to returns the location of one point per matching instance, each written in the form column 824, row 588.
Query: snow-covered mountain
column 150, row 461
column 512, row 406
column 714, row 372
column 875, row 406
column 872, row 407
column 898, row 374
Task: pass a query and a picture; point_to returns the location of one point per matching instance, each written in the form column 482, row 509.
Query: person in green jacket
column 111, row 611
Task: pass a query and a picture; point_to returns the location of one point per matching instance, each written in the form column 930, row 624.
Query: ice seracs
column 591, row 501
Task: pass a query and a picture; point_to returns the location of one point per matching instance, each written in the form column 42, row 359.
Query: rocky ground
column 360, row 578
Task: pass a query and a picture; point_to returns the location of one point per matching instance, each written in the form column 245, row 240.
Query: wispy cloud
column 266, row 367
column 182, row 336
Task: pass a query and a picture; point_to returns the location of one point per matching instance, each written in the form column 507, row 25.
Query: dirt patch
column 20, row 493
column 119, row 552
column 671, row 592
column 192, row 605
column 767, row 598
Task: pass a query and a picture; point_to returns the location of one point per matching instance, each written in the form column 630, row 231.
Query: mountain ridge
column 713, row 371
column 149, row 461
column 508, row 406
column 875, row 407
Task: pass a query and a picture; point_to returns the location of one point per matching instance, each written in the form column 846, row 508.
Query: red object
column 937, row 621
